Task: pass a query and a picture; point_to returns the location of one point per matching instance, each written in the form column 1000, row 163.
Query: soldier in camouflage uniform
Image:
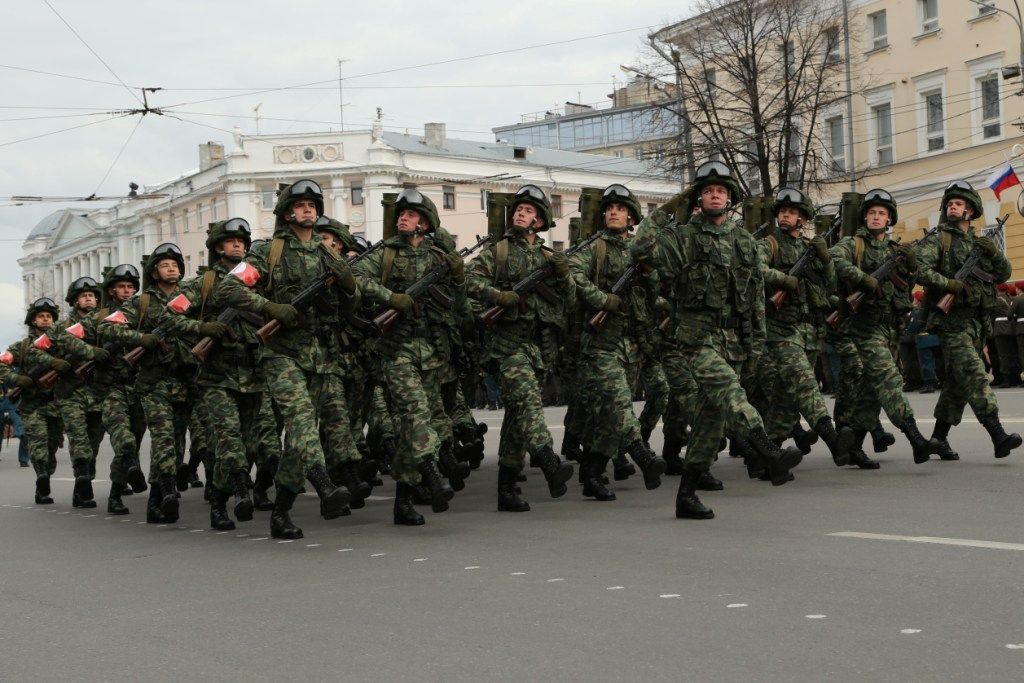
column 123, row 416
column 522, row 339
column 230, row 380
column 77, row 399
column 875, row 328
column 415, row 351
column 294, row 361
column 610, row 356
column 163, row 380
column 962, row 332
column 794, row 339
column 713, row 268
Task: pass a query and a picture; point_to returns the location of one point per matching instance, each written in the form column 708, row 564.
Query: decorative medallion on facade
column 308, row 153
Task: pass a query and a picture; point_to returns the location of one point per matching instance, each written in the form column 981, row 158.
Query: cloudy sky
column 209, row 58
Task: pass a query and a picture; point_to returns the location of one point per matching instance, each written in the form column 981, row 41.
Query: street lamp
column 1009, row 72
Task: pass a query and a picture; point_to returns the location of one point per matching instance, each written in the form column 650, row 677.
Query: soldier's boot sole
column 116, row 507
column 136, row 479
column 652, row 473
column 83, row 488
column 843, row 447
column 169, row 508
column 43, row 500
column 709, row 482
column 557, row 480
column 1007, row 444
column 335, row 503
column 779, row 470
column 243, row 510
column 43, row 485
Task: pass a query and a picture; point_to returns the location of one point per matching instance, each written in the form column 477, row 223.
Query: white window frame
column 925, row 85
column 928, row 25
column 832, row 167
column 878, row 41
column 878, row 98
column 979, row 69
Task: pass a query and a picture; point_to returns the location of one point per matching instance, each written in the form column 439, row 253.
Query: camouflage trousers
column 851, row 374
column 656, row 392
column 720, row 404
column 165, row 403
column 235, row 415
column 881, row 384
column 415, row 395
column 455, row 404
column 83, row 423
column 301, row 397
column 266, row 440
column 200, row 429
column 125, row 422
column 523, row 429
column 680, row 408
column 575, row 411
column 966, row 379
column 608, row 380
column 379, row 424
column 44, row 433
column 792, row 388
column 336, row 436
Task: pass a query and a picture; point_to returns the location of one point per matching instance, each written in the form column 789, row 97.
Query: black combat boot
column 243, row 503
column 508, row 499
column 709, row 482
column 453, row 470
column 153, row 513
column 1003, row 442
column 334, row 500
column 803, row 438
column 645, row 434
column 182, row 476
column 923, row 448
column 264, row 480
column 857, row 455
column 941, row 434
column 359, row 489
column 168, row 498
column 440, row 491
column 405, row 513
column 622, row 468
column 134, row 474
column 280, row 522
column 82, row 497
column 114, row 504
column 839, row 442
column 555, row 471
column 881, row 439
column 688, row 505
column 670, row 454
column 42, row 484
column 592, row 474
column 471, row 444
column 571, row 448
column 219, row 520
column 650, row 464
column 200, row 456
column 778, row 461
column 390, row 450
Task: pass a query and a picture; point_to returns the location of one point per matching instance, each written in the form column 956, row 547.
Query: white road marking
column 910, row 631
column 291, row 540
column 513, row 573
column 87, row 516
column 1015, row 646
column 313, row 545
column 816, row 616
column 241, row 535
column 614, row 588
column 734, row 605
column 378, row 554
column 108, row 518
column 195, row 531
column 380, row 498
column 554, row 580
column 125, row 520
column 669, row 595
column 261, row 538
column 345, row 550
column 963, row 542
column 420, row 559
column 472, row 567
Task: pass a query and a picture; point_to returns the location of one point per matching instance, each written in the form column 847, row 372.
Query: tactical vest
column 720, row 274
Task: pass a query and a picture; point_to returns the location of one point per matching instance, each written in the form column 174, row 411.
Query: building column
column 242, row 201
column 338, row 195
column 373, row 193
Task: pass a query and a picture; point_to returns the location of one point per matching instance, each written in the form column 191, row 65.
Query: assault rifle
column 622, row 284
column 969, row 268
column 533, row 282
column 83, row 369
column 228, row 316
column 427, row 285
column 135, row 355
column 778, row 299
column 310, row 294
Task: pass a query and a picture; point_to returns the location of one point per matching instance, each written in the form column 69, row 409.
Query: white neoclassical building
column 355, row 169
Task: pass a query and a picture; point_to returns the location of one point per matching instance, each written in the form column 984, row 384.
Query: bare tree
column 754, row 79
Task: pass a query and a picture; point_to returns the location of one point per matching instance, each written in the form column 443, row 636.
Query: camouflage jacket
column 30, row 361
column 803, row 308
column 116, row 371
column 173, row 358
column 715, row 281
column 892, row 306
column 938, row 267
column 70, row 383
column 300, row 265
column 594, row 282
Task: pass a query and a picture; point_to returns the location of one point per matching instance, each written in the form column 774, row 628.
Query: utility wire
column 138, row 123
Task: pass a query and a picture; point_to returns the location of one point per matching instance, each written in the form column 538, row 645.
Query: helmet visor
column 167, row 250
column 83, row 283
column 616, row 190
column 790, row 195
column 960, row 185
column 878, row 196
column 236, row 227
column 710, row 169
column 410, row 195
column 305, row 188
column 533, row 192
column 125, row 270
column 44, row 302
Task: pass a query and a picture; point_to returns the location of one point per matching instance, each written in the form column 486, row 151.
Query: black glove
column 214, row 328
column 559, row 264
column 401, row 302
column 100, row 354
column 506, row 299
column 24, row 381
column 986, row 245
column 60, row 365
column 149, row 341
column 341, row 270
column 821, row 249
column 457, row 267
column 286, row 314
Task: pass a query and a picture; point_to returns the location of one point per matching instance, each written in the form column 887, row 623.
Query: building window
column 753, row 172
column 357, row 194
column 556, row 205
column 711, row 80
column 173, row 224
column 836, row 144
column 449, row 196
column 159, row 229
column 929, row 15
column 268, row 198
column 202, row 256
column 203, row 215
column 216, row 211
column 188, row 265
column 618, row 154
column 881, row 116
column 935, row 128
column 187, row 214
column 832, row 45
column 988, row 88
column 879, row 30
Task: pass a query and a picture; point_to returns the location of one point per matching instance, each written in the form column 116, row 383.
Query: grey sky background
column 202, row 50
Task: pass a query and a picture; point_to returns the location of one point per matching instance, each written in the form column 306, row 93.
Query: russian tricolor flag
column 1003, row 179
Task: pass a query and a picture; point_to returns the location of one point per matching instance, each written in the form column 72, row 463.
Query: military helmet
column 793, row 198
column 80, row 286
column 124, row 272
column 167, row 250
column 620, row 194
column 535, row 197
column 961, row 189
column 411, row 198
column 222, row 230
column 336, row 228
column 302, row 189
column 38, row 306
column 713, row 173
column 879, row 197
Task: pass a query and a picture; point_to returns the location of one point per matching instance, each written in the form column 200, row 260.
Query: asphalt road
column 912, row 572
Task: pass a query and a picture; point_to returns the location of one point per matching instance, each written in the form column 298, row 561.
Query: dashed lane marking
column 816, row 616
column 736, row 605
column 937, row 540
column 909, row 631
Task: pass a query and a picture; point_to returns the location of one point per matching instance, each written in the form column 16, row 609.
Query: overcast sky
column 202, row 50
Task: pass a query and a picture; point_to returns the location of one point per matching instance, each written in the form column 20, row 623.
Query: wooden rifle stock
column 597, row 321
column 778, row 299
column 833, row 320
column 946, row 302
column 47, row 381
column 268, row 330
column 202, row 349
